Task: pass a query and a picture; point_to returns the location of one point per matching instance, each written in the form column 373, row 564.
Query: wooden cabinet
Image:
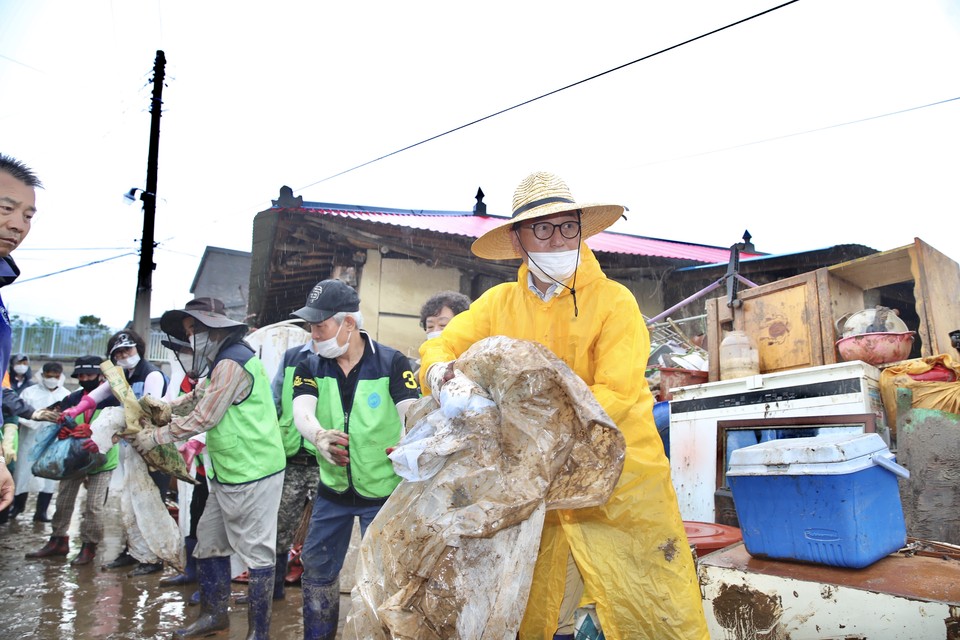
column 794, row 320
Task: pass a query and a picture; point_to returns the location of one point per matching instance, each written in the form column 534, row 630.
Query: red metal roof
column 473, row 226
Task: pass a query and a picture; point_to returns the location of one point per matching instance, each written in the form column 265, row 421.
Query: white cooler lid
column 827, row 454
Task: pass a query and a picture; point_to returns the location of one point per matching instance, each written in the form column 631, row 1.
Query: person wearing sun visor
column 611, row 555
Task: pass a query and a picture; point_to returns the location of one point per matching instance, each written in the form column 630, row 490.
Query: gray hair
column 356, row 315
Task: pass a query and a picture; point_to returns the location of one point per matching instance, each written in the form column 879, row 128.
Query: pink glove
column 189, row 450
column 86, row 403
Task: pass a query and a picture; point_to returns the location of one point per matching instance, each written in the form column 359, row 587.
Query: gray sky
column 744, row 129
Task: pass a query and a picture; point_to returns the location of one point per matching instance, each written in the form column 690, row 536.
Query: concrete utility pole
column 141, row 308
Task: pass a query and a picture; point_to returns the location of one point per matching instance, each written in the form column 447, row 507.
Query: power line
column 20, row 249
column 89, row 264
column 802, row 133
column 550, row 93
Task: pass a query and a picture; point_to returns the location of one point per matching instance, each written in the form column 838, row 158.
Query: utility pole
column 141, row 308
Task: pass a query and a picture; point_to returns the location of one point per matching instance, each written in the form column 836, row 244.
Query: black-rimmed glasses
column 545, row 230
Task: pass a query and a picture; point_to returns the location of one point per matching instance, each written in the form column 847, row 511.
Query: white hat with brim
column 543, row 194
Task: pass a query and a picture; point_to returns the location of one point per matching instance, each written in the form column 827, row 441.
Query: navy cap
column 86, row 364
column 326, row 299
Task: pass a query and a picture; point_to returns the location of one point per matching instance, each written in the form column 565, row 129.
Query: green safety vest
column 246, row 445
column 292, row 440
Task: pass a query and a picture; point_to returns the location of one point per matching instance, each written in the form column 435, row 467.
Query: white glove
column 145, row 441
column 438, row 374
column 9, row 434
column 45, row 415
column 332, row 445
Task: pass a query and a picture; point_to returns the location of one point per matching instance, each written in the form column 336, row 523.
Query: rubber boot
column 214, row 577
column 43, row 501
column 278, row 591
column 19, row 504
column 56, row 546
column 321, row 609
column 281, row 573
column 189, row 575
column 146, row 568
column 87, row 553
column 260, row 599
column 5, row 515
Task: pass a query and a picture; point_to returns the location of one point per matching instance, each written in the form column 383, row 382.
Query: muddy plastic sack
column 62, row 459
column 943, row 396
column 451, row 554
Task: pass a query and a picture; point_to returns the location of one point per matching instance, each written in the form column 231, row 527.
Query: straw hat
column 543, row 194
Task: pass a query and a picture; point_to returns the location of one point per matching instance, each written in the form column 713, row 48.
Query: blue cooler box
column 832, row 499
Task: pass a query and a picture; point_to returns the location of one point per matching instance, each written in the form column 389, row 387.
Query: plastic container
column 672, row 378
column 832, row 499
column 739, row 356
column 707, row 537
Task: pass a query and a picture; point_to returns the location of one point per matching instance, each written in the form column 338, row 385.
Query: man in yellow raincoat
column 630, row 556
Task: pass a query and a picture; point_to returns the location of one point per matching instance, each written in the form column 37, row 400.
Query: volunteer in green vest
column 349, row 400
column 301, row 476
column 235, row 409
column 86, row 369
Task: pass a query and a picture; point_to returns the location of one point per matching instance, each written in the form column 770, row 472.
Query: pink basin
column 876, row 348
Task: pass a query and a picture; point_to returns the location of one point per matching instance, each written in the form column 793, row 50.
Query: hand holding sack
column 145, row 441
column 332, row 445
column 45, row 415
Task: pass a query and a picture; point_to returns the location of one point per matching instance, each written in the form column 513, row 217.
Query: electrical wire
column 550, row 93
column 81, row 266
column 803, row 133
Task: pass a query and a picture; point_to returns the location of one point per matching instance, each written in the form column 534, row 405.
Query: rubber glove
column 439, row 374
column 145, row 441
column 82, row 431
column 90, row 446
column 332, row 445
column 189, row 450
column 9, row 435
column 45, row 415
column 86, row 402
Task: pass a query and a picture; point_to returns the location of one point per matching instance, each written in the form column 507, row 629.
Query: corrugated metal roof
column 473, row 226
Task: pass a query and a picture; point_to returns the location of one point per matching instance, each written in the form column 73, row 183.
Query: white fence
column 71, row 342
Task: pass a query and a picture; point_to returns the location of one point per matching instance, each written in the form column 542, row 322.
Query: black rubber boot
column 280, row 574
column 278, row 590
column 321, row 609
column 189, row 575
column 19, row 504
column 43, row 501
column 260, row 599
column 214, row 577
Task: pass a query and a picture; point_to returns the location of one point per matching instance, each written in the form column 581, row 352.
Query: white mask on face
column 20, row 369
column 331, row 348
column 556, row 266
column 434, row 334
column 129, row 363
column 51, row 383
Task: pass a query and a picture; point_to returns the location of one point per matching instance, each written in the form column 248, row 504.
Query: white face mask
column 434, row 334
column 129, row 363
column 331, row 348
column 51, row 383
column 556, row 266
column 20, row 369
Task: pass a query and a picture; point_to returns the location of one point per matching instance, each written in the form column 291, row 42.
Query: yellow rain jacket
column 633, row 551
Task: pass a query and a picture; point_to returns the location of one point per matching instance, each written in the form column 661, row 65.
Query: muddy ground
column 49, row 599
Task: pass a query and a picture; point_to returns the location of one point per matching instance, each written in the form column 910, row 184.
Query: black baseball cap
column 86, row 364
column 326, row 299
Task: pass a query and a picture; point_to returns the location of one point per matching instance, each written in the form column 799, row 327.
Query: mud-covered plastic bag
column 451, row 555
column 146, row 411
column 62, row 459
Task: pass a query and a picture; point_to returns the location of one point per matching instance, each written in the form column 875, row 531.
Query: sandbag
column 452, row 552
